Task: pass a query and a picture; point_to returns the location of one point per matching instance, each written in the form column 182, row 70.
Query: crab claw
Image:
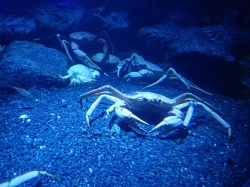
column 123, row 65
column 143, row 73
column 168, row 124
column 132, row 75
column 129, row 118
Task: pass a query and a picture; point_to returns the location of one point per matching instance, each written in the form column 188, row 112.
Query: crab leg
column 107, row 89
column 187, row 83
column 95, row 104
column 23, row 178
column 172, row 122
column 191, row 97
column 169, row 123
column 123, row 113
column 189, row 113
column 217, row 117
column 129, row 118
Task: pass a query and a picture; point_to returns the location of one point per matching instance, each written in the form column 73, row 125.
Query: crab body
column 83, row 37
column 145, row 101
column 143, row 69
column 126, row 105
column 80, row 74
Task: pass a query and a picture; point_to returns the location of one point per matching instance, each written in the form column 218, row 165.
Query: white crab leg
column 119, row 103
column 97, row 101
column 189, row 113
column 128, row 117
column 217, row 117
column 23, row 178
column 170, row 122
column 187, row 83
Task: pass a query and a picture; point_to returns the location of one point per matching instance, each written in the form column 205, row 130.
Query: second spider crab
column 86, row 38
column 125, row 105
column 151, row 72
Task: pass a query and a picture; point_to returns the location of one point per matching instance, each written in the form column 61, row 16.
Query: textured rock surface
column 214, row 41
column 27, row 64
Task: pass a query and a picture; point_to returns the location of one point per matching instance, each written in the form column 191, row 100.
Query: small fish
column 23, row 92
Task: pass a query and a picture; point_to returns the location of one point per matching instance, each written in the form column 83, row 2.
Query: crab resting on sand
column 125, row 105
column 80, row 74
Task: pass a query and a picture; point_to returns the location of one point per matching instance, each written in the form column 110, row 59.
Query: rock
column 57, row 18
column 27, row 64
column 15, row 25
column 213, row 41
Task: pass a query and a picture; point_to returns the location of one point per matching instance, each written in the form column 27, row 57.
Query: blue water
column 205, row 42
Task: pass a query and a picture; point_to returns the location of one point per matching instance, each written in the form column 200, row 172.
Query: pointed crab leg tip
column 153, row 129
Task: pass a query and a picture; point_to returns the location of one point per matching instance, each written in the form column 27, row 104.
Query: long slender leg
column 95, row 104
column 107, row 89
column 63, row 43
column 189, row 96
column 190, row 111
column 217, row 117
column 187, row 83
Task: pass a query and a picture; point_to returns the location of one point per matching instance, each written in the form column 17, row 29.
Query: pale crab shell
column 80, row 74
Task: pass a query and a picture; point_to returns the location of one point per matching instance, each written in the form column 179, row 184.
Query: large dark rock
column 207, row 56
column 60, row 19
column 27, row 64
column 215, row 41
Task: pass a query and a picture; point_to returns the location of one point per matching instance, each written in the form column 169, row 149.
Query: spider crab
column 125, row 104
column 86, row 38
column 150, row 71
